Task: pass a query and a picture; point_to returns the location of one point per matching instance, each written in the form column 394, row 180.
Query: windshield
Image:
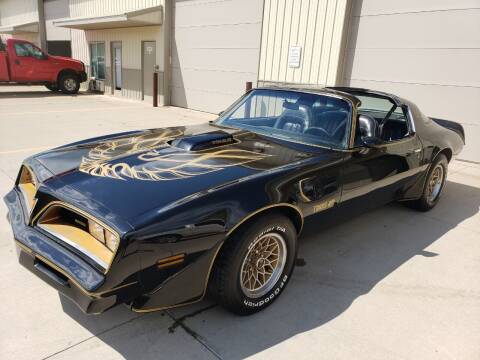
column 300, row 117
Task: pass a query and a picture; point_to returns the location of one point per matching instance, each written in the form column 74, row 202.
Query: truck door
column 29, row 64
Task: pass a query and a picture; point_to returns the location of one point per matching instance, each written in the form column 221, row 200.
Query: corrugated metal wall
column 425, row 51
column 83, row 8
column 314, row 25
column 13, row 12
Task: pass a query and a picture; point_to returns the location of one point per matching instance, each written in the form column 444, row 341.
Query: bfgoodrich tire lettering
column 241, row 251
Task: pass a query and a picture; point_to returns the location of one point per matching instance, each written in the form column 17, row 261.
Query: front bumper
column 62, row 269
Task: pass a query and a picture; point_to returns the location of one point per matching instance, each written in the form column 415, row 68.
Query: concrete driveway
column 390, row 283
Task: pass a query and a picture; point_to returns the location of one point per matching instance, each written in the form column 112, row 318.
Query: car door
column 378, row 174
column 29, row 64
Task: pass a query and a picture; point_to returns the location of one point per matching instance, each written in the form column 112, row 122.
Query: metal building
column 32, row 20
column 204, row 51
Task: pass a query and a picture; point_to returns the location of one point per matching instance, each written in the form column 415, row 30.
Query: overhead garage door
column 215, row 50
column 425, row 51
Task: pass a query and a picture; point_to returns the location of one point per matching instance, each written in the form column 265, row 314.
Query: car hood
column 66, row 60
column 133, row 173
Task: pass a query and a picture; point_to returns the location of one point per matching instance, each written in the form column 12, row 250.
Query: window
column 97, row 60
column 28, row 50
column 391, row 119
column 292, row 115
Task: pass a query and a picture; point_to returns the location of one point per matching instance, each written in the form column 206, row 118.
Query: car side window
column 396, row 127
column 27, row 50
column 392, row 120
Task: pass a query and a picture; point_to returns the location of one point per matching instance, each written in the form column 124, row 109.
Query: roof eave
column 152, row 16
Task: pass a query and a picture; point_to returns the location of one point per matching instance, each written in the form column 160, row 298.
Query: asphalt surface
column 390, row 283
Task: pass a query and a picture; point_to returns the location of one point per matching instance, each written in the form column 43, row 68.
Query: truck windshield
column 301, row 117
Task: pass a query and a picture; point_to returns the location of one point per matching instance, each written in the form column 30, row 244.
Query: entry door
column 148, row 65
column 117, row 65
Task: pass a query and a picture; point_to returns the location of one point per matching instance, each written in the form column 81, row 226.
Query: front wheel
column 69, row 84
column 255, row 265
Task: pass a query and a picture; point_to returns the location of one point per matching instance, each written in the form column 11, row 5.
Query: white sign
column 294, row 56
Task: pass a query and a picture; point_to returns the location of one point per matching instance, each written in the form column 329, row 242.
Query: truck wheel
column 52, row 87
column 255, row 265
column 69, row 83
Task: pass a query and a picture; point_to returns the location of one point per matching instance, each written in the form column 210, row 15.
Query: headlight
column 81, row 231
column 111, row 241
column 96, row 231
column 28, row 186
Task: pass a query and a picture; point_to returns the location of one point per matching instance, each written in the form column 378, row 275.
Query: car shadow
column 344, row 259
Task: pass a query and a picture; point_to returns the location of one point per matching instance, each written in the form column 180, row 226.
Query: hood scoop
column 203, row 141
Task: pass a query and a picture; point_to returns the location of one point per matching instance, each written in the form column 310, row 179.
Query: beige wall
column 426, row 51
column 215, row 50
column 131, row 39
column 56, row 9
column 13, row 12
column 316, row 26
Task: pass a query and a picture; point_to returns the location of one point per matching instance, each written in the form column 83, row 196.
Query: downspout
column 167, row 51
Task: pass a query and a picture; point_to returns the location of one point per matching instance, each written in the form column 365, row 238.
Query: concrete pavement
column 391, row 283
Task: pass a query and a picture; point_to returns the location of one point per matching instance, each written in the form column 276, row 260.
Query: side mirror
column 372, row 141
column 41, row 57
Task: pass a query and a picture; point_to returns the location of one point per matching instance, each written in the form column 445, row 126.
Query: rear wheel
column 69, row 83
column 434, row 184
column 255, row 265
column 52, row 87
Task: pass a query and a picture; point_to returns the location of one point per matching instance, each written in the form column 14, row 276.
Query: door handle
column 17, row 62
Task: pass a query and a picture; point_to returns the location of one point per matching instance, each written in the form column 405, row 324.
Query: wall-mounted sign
column 294, row 56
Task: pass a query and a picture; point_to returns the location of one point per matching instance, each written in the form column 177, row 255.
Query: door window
column 391, row 119
column 27, row 50
column 97, row 60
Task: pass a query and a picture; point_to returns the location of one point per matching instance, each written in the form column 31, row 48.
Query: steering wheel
column 317, row 131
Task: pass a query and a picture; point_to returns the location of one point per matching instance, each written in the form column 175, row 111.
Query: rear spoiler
column 451, row 125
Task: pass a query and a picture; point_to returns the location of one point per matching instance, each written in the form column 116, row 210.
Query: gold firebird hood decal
column 159, row 166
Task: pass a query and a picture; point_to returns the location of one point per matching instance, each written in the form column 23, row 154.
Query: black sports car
column 154, row 218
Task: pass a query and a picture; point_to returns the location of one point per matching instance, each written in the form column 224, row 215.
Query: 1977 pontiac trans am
column 156, row 218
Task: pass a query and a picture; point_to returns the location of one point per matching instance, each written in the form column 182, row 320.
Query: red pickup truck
column 22, row 62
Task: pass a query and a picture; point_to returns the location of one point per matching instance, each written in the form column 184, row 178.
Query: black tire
column 427, row 201
column 226, row 283
column 69, row 83
column 52, row 87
